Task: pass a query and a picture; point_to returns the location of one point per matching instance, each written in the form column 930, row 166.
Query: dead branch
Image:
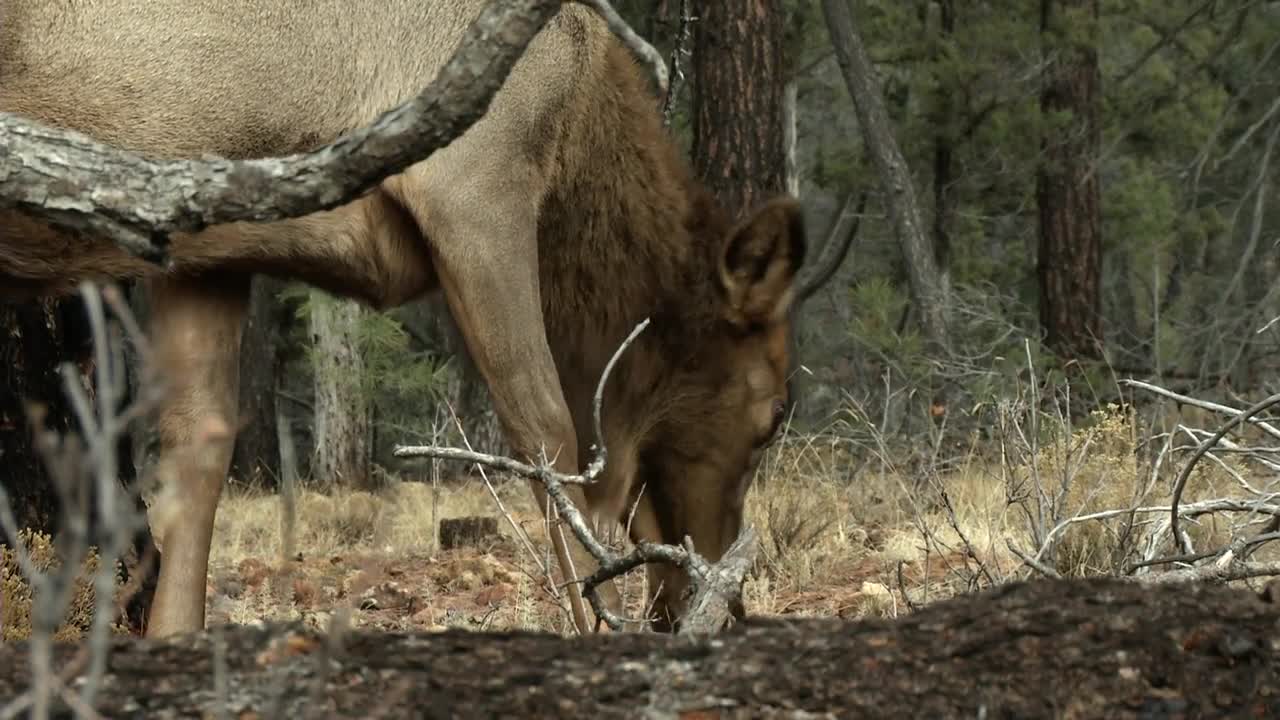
column 78, row 183
column 681, row 48
column 714, row 589
column 1270, row 429
column 1226, row 569
column 1046, row 648
column 1181, row 482
column 638, row 45
column 717, row 599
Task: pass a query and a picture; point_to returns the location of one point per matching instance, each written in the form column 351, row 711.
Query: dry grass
column 841, row 535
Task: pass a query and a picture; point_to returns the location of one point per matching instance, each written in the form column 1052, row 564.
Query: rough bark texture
column 71, row 179
column 343, row 417
column 1048, row 649
column 717, row 596
column 1067, row 186
column 256, row 460
column 929, row 291
column 737, row 100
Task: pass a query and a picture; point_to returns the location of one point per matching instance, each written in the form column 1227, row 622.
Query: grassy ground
column 844, row 532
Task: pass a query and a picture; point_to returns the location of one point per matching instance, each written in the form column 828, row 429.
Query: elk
column 551, row 226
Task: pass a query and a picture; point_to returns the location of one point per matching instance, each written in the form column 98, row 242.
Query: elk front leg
column 483, row 240
column 497, row 309
column 196, row 325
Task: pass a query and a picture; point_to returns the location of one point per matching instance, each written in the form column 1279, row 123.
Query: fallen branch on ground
column 1048, row 648
column 79, row 183
column 714, row 596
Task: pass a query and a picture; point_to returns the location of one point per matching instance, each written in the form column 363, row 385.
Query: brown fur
column 553, row 226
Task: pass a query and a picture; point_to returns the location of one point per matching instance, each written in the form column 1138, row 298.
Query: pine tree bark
column 343, row 416
column 1068, row 192
column 737, row 110
column 256, row 460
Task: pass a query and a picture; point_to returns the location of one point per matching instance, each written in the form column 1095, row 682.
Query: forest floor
column 841, row 535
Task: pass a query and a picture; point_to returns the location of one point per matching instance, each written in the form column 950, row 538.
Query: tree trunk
column 929, row 289
column 1046, row 649
column 944, row 205
column 35, row 338
column 1067, row 186
column 256, row 460
column 343, row 416
column 737, row 100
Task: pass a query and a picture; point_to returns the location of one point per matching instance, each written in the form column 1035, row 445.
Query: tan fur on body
column 553, row 226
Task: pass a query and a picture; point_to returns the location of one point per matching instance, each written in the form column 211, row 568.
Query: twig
column 677, row 70
column 1270, row 429
column 1031, row 562
column 1259, row 539
column 597, row 463
column 74, row 465
column 138, row 202
column 541, row 471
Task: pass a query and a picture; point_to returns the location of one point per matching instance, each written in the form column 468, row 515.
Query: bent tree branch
column 80, row 184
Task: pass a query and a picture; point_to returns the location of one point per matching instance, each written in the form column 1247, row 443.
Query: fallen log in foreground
column 1049, row 648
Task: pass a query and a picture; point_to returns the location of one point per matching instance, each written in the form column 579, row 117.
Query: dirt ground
column 840, row 536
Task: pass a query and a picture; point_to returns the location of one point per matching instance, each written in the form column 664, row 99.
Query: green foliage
column 403, row 380
column 1186, row 92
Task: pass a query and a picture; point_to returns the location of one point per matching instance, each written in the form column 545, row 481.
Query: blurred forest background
column 1043, row 199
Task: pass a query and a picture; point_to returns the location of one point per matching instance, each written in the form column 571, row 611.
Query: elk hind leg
column 196, row 325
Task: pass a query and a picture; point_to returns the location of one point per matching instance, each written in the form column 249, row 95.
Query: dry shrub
column 802, row 517
column 16, row 595
column 1101, row 465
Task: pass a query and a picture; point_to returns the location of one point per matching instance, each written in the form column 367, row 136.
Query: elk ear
column 761, row 257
